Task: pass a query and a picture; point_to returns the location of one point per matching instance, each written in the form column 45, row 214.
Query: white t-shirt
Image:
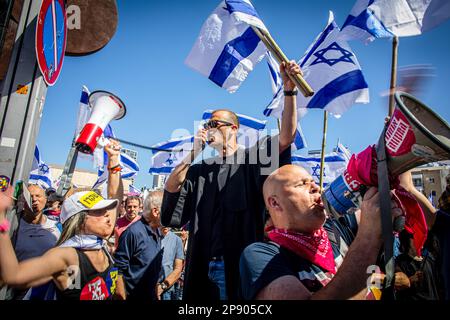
column 33, row 240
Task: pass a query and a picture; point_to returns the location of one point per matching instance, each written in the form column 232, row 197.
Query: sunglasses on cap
column 210, row 124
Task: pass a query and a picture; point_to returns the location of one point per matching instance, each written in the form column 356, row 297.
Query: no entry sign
column 51, row 35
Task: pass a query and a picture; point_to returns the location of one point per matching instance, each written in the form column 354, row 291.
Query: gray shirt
column 173, row 249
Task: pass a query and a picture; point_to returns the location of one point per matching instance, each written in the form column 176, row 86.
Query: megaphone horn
column 105, row 108
column 415, row 135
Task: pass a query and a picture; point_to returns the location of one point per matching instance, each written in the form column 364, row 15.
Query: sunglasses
column 216, row 124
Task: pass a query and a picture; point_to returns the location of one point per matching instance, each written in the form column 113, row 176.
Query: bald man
column 309, row 256
column 221, row 197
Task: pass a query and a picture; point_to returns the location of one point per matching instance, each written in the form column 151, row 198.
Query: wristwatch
column 164, row 285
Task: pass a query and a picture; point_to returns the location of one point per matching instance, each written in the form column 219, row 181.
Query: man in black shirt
column 310, row 256
column 221, row 198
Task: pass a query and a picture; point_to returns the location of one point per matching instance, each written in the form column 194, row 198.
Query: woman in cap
column 79, row 266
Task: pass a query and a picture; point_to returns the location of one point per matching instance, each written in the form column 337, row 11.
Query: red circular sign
column 51, row 37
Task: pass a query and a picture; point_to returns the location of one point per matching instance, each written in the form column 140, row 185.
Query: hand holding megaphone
column 105, row 108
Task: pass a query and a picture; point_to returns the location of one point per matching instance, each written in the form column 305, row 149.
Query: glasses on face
column 216, row 124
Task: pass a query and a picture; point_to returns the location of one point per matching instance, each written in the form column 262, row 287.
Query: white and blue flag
column 227, row 48
column 249, row 128
column 40, row 172
column 341, row 149
column 333, row 72
column 133, row 190
column 370, row 19
column 163, row 162
column 130, row 168
column 335, row 165
column 84, row 110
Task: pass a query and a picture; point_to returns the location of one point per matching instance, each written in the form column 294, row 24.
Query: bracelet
column 290, row 93
column 4, row 226
column 115, row 169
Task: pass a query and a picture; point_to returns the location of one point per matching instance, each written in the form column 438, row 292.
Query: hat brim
column 108, row 204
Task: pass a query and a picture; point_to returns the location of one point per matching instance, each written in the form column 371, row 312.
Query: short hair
column 38, row 186
column 153, row 200
column 232, row 115
column 129, row 198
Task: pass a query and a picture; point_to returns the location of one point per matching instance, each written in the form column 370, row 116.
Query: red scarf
column 315, row 248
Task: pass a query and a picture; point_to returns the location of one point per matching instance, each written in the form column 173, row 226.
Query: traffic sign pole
column 22, row 100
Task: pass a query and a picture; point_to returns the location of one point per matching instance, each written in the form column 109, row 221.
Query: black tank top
column 90, row 284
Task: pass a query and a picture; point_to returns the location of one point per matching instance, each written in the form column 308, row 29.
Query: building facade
column 430, row 180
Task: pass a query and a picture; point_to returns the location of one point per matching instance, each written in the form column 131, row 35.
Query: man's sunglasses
column 210, row 124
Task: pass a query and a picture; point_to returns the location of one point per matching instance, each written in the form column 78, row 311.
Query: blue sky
column 144, row 65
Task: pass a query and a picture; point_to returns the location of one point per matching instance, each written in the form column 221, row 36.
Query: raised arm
column 289, row 117
column 115, row 185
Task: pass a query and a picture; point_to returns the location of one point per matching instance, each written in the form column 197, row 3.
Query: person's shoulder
column 66, row 254
column 256, row 250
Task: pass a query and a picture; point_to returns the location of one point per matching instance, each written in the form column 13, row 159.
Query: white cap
column 84, row 201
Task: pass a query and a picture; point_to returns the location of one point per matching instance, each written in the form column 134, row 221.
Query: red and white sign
column 399, row 135
column 51, row 38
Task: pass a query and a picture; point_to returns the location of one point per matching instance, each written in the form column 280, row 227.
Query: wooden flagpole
column 322, row 156
column 272, row 46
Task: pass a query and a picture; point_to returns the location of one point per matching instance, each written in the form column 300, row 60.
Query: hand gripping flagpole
column 272, row 46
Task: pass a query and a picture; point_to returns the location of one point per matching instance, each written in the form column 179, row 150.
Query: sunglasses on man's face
column 216, row 124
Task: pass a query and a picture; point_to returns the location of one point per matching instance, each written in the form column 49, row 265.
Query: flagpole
column 272, row 46
column 393, row 74
column 324, row 139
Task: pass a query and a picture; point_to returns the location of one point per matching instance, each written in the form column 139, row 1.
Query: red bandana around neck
column 315, row 248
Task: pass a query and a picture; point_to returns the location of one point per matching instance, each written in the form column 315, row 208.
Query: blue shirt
column 172, row 249
column 138, row 258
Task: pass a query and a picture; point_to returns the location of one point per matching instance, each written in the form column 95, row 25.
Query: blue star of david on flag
column 316, row 171
column 43, row 168
column 332, row 50
column 172, row 158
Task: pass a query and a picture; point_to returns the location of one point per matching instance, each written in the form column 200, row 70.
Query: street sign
column 51, row 36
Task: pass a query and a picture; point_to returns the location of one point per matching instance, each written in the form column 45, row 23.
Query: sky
column 143, row 64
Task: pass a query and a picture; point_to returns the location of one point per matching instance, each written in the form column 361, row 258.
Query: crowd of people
column 250, row 226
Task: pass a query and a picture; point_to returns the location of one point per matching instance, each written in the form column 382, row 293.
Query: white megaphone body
column 105, row 108
column 414, row 136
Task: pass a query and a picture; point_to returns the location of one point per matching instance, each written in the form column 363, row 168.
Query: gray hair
column 153, row 200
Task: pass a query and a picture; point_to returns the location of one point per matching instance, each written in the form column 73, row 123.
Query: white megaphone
column 105, row 108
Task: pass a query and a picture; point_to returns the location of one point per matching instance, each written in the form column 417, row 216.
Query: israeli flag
column 133, row 190
column 130, row 168
column 40, row 172
column 227, row 48
column 335, row 165
column 249, row 128
column 84, row 110
column 163, row 162
column 370, row 19
column 341, row 149
column 334, row 73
